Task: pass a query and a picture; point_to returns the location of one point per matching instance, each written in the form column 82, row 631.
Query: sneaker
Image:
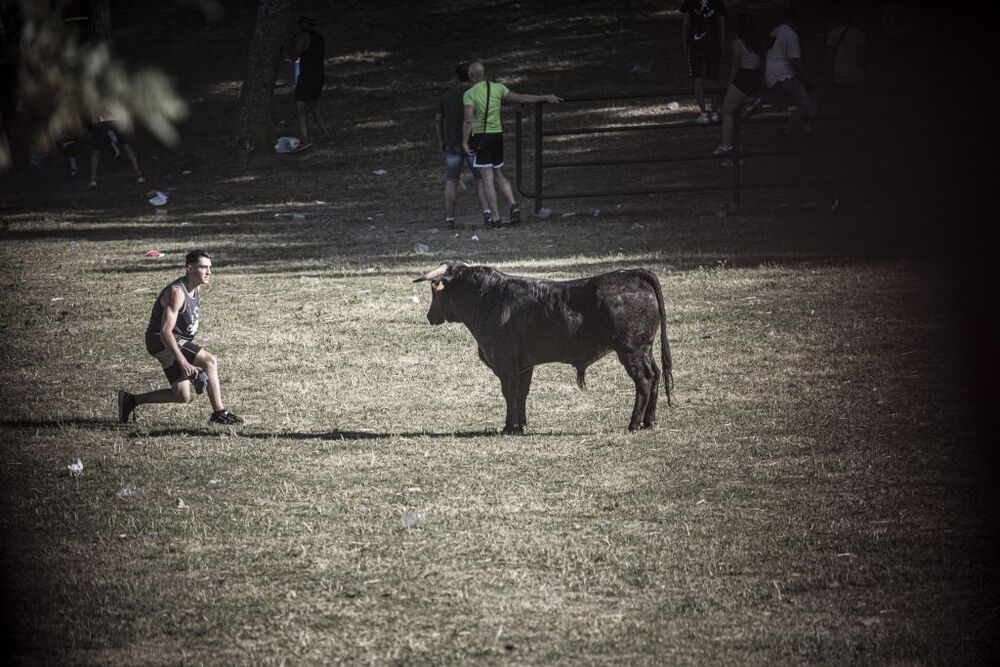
column 715, row 116
column 140, row 179
column 723, row 148
column 449, row 223
column 494, row 223
column 487, row 217
column 92, row 185
column 703, row 118
column 224, row 417
column 514, row 214
column 126, row 406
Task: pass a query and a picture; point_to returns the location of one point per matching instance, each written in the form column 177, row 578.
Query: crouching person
column 170, row 339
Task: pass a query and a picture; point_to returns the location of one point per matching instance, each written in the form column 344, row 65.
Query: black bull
column 519, row 323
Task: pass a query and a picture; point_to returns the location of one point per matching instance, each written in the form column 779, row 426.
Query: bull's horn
column 435, row 274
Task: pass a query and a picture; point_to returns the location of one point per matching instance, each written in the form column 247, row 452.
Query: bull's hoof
column 513, row 430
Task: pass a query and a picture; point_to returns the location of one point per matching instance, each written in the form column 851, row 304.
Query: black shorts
column 308, row 88
column 747, row 81
column 492, row 153
column 703, row 61
column 106, row 135
column 156, row 348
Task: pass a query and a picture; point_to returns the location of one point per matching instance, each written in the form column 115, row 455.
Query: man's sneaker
column 703, row 118
column 723, row 148
column 494, row 223
column 140, row 179
column 224, row 417
column 449, row 223
column 92, row 185
column 126, row 406
column 515, row 214
column 487, row 217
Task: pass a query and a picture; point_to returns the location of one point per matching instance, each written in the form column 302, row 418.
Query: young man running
column 170, row 338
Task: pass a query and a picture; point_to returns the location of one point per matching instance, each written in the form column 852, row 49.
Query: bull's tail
column 668, row 375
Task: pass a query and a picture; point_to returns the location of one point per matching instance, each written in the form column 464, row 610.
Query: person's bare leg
column 130, row 154
column 95, row 160
column 699, row 93
column 300, row 109
column 734, row 98
column 313, row 108
column 504, row 185
column 491, row 192
column 450, row 197
column 179, row 392
column 210, row 364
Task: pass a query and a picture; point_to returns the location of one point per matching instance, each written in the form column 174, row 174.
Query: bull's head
column 441, row 310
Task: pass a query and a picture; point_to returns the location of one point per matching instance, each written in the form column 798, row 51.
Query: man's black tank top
column 186, row 325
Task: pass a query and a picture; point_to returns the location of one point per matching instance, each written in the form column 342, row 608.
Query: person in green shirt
column 482, row 117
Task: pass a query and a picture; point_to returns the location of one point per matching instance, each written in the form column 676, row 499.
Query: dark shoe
column 224, row 417
column 200, row 382
column 515, row 215
column 126, row 406
column 494, row 223
column 487, row 217
column 449, row 223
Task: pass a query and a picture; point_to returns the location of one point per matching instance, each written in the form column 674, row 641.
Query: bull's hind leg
column 635, row 366
column 649, row 419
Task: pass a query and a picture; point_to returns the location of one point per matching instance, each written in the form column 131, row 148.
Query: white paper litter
column 75, row 468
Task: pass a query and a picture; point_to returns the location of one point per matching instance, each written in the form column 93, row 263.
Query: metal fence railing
column 544, row 163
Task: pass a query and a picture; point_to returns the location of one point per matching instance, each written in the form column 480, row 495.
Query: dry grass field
column 818, row 493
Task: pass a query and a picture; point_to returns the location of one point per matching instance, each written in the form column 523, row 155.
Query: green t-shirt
column 476, row 98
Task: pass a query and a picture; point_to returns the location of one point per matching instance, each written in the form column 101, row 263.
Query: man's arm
column 470, row 115
column 440, row 128
column 523, row 98
column 172, row 303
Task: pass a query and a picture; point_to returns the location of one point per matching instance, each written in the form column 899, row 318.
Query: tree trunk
column 100, row 12
column 253, row 125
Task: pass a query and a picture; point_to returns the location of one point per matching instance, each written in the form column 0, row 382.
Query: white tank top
column 748, row 59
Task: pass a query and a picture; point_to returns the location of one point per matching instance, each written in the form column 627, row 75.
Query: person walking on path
column 450, row 120
column 703, row 35
column 785, row 74
column 745, row 76
column 170, row 339
column 483, row 136
column 310, row 51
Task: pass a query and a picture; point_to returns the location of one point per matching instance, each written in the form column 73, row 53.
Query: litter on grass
column 154, row 253
column 75, row 468
column 421, row 248
column 156, row 198
column 413, row 519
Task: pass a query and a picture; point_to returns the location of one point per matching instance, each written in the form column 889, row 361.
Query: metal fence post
column 538, row 157
column 737, row 152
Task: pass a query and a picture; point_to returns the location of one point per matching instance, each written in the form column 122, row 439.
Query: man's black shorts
column 492, row 153
column 156, row 348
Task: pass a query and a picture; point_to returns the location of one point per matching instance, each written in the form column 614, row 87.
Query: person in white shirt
column 785, row 75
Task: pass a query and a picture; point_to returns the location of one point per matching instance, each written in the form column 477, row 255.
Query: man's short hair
column 193, row 257
column 462, row 71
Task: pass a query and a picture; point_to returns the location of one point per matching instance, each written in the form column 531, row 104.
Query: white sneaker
column 715, row 116
column 703, row 118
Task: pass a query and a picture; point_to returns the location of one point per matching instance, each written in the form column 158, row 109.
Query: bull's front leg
column 522, row 399
column 511, row 386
